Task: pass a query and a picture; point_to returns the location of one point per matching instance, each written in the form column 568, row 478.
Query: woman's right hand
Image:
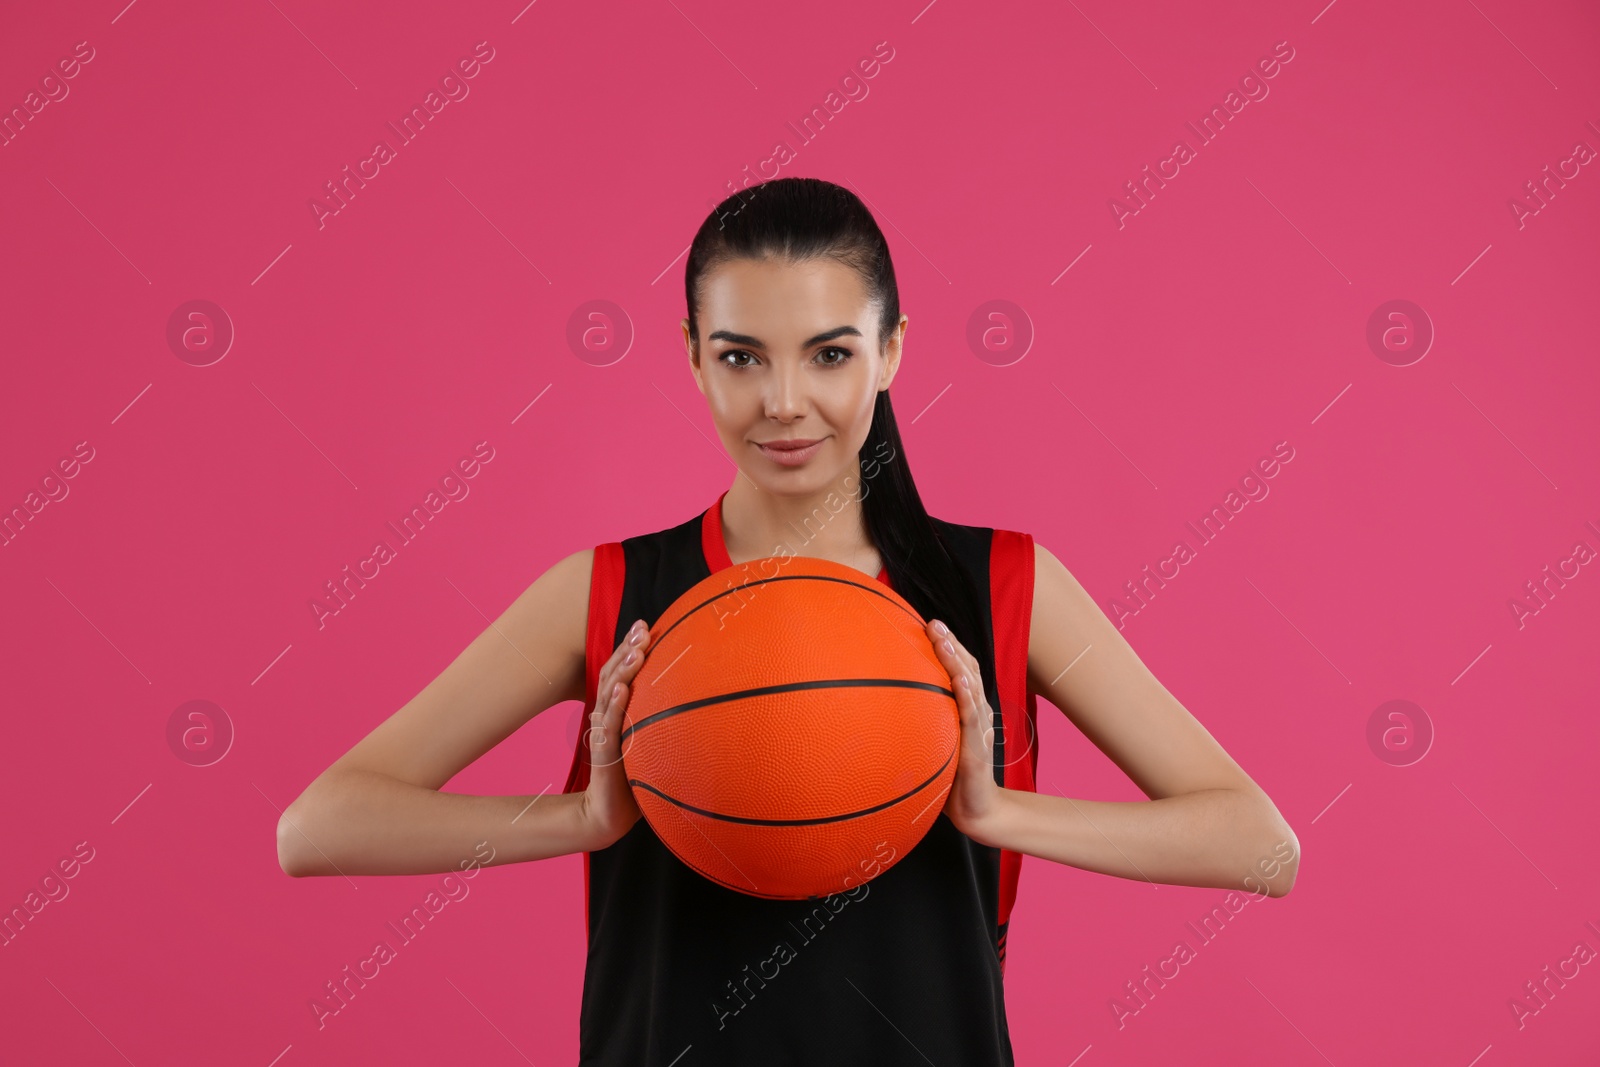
column 609, row 809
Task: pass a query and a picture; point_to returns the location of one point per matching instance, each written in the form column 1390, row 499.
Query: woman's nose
column 785, row 398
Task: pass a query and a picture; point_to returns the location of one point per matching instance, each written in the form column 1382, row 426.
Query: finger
column 957, row 650
column 605, row 725
column 946, row 634
column 618, row 654
column 971, row 719
column 616, row 715
column 982, row 716
column 606, row 692
column 597, row 719
column 954, row 661
column 623, row 669
column 612, row 722
column 621, row 692
column 618, row 669
column 633, row 660
column 607, row 678
column 966, row 658
column 961, row 663
column 614, row 663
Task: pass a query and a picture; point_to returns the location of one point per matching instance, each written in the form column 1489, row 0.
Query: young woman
column 794, row 335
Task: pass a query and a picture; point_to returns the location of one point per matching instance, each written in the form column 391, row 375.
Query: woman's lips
column 790, row 456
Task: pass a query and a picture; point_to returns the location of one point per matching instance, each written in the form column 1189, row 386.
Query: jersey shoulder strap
column 1011, row 574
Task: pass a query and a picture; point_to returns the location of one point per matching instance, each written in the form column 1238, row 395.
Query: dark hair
column 808, row 218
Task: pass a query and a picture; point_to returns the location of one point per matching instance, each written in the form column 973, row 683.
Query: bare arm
column 378, row 808
column 1206, row 822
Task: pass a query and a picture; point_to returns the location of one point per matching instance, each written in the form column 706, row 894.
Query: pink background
column 1229, row 314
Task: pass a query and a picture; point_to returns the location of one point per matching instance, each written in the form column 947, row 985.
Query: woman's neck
column 828, row 524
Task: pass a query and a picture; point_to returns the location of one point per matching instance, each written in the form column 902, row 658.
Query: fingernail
column 616, row 691
column 940, row 627
column 632, row 655
column 949, row 648
column 637, row 637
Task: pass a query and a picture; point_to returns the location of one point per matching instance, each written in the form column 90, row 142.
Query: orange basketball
column 791, row 733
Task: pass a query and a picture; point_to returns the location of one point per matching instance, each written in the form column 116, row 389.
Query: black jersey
column 906, row 968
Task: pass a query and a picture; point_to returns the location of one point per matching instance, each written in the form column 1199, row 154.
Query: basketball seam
column 781, row 578
column 783, row 687
column 748, row 821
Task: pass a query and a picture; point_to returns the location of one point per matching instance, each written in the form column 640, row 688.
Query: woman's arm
column 378, row 809
column 1206, row 822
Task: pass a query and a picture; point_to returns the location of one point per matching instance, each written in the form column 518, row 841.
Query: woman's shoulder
column 566, row 581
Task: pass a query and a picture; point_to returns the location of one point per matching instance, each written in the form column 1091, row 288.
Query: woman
column 794, row 334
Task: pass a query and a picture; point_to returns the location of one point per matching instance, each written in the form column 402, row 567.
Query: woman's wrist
column 995, row 825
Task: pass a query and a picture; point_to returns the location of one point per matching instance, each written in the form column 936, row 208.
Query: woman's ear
column 892, row 352
column 694, row 357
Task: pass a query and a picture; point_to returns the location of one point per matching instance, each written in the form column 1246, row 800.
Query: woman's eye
column 735, row 353
column 844, row 354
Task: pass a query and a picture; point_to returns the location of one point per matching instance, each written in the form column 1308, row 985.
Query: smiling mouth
column 791, row 443
column 790, row 453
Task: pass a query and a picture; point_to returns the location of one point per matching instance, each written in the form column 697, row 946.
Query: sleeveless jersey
column 906, row 968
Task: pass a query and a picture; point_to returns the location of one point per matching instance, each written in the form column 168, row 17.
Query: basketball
column 791, row 733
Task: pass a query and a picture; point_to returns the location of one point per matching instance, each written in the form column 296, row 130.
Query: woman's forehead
column 779, row 301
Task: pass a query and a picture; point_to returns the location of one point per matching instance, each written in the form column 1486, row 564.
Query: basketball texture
column 791, row 733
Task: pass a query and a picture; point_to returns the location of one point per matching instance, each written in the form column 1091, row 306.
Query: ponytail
column 921, row 568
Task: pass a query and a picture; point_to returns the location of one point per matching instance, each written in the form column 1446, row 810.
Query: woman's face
column 789, row 352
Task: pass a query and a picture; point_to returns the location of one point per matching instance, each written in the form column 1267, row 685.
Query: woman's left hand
column 974, row 796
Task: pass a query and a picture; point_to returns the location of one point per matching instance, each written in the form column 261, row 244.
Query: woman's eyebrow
column 752, row 342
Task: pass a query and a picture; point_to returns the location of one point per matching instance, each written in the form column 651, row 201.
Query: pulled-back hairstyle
column 808, row 218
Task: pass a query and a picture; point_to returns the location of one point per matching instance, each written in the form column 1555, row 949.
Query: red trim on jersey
column 1011, row 603
column 605, row 601
column 716, row 552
